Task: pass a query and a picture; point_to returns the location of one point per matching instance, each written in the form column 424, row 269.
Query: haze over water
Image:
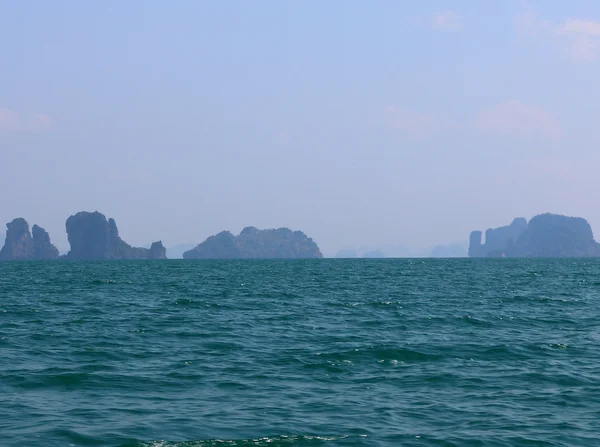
column 360, row 123
column 300, row 353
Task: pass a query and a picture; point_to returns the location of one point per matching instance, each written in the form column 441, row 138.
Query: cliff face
column 93, row 237
column 256, row 244
column 499, row 241
column 476, row 249
column 42, row 247
column 88, row 236
column 546, row 236
column 20, row 245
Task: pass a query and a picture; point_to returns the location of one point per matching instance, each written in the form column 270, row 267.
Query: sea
column 390, row 352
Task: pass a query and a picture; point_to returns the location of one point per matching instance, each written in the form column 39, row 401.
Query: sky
column 360, row 123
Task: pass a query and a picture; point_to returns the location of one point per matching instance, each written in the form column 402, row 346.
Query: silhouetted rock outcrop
column 476, row 249
column 158, row 251
column 20, row 245
column 555, row 236
column 256, row 244
column 498, row 241
column 546, row 236
column 42, row 247
column 92, row 237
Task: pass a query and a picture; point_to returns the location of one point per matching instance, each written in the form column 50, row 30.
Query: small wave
column 375, row 355
column 274, row 441
column 45, row 380
column 101, row 282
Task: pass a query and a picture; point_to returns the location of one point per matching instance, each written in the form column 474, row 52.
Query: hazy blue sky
column 359, row 122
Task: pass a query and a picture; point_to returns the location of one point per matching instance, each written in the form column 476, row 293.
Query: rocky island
column 253, row 243
column 545, row 236
column 22, row 245
column 93, row 237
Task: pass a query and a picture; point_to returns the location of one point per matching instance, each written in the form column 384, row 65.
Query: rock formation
column 546, row 236
column 158, row 251
column 256, row 244
column 500, row 240
column 20, row 245
column 42, row 247
column 555, row 236
column 497, row 240
column 92, row 237
column 476, row 248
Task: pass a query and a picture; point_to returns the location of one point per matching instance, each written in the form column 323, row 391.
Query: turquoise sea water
column 300, row 353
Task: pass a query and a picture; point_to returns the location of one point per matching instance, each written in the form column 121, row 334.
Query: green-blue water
column 300, row 353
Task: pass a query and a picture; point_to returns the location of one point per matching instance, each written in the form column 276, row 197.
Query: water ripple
column 300, row 353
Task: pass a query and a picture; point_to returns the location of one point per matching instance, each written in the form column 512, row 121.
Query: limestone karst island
column 252, row 243
column 93, row 237
column 544, row 236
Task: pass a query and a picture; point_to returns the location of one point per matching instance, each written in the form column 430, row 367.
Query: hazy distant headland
column 544, row 236
column 449, row 251
column 93, row 237
column 453, row 250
